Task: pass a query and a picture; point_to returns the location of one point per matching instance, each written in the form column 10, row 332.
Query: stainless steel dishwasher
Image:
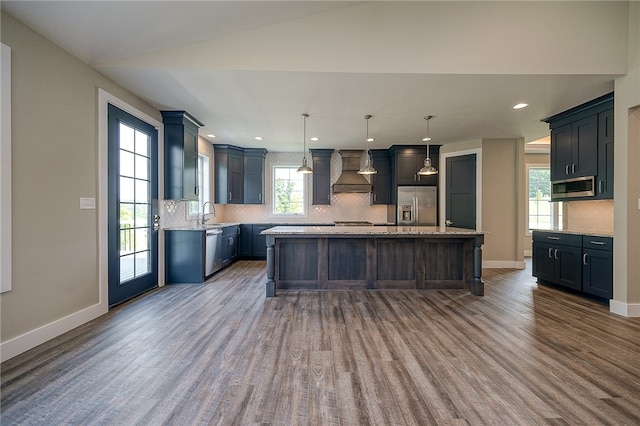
column 213, row 252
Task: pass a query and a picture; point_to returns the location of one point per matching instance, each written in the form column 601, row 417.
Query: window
column 289, row 193
column 203, row 186
column 541, row 212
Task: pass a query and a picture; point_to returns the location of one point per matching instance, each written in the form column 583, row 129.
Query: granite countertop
column 579, row 232
column 203, row 227
column 369, row 230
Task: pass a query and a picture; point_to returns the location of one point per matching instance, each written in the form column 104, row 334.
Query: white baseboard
column 502, row 264
column 631, row 310
column 36, row 337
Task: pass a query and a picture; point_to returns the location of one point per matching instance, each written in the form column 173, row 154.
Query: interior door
column 460, row 187
column 133, row 206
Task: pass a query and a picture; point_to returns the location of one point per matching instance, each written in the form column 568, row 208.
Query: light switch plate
column 87, row 203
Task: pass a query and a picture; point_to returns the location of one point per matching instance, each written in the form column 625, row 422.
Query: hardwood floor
column 221, row 353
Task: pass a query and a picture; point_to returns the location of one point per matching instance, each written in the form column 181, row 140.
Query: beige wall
column 54, row 163
column 626, row 273
column 502, row 162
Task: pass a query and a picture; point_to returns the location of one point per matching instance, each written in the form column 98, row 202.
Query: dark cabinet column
column 180, row 155
column 254, row 175
column 381, row 181
column 604, row 184
column 321, row 176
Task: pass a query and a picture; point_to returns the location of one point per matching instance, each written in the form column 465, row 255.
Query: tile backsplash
column 589, row 216
column 344, row 207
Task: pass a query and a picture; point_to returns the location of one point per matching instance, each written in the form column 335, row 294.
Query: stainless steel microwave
column 575, row 187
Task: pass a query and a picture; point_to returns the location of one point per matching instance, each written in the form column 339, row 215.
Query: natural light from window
column 542, row 213
column 288, row 191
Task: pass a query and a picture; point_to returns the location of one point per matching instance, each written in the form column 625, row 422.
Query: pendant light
column 367, row 169
column 304, row 169
column 427, row 169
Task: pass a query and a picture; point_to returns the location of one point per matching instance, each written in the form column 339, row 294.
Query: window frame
column 305, row 193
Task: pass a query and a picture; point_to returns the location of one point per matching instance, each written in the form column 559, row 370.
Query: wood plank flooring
column 221, row 353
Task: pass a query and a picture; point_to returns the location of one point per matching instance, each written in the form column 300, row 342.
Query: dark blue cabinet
column 180, row 155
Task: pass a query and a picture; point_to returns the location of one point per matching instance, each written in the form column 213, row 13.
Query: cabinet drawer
column 598, row 243
column 557, row 238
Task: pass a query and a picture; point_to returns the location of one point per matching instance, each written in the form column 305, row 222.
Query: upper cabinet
column 229, row 174
column 582, row 144
column 254, row 175
column 574, row 149
column 239, row 174
column 381, row 181
column 604, row 183
column 180, row 155
column 405, row 161
column 321, row 163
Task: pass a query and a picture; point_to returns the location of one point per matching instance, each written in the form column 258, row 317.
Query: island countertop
column 369, row 230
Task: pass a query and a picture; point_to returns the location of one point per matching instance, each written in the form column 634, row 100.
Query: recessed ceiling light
column 520, row 106
column 258, row 138
column 211, row 135
column 315, row 139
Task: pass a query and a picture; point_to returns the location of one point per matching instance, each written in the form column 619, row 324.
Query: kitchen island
column 373, row 258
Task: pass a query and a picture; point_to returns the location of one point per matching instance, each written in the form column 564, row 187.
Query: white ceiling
column 249, row 68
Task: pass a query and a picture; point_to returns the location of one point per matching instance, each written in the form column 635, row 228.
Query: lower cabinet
column 230, row 244
column 253, row 246
column 597, row 266
column 579, row 262
column 184, row 256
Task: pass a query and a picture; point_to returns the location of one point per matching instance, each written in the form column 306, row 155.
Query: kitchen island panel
column 297, row 260
column 347, row 259
column 396, row 259
column 373, row 259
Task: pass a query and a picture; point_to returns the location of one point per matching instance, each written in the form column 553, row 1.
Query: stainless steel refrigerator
column 417, row 205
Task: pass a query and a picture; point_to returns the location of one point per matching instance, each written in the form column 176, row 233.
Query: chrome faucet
column 203, row 220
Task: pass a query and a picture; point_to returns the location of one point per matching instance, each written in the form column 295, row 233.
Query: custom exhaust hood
column 350, row 180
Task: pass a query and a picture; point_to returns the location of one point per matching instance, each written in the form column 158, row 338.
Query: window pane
column 142, row 167
column 126, row 190
column 142, row 263
column 142, row 143
column 142, row 212
column 289, row 191
column 126, row 163
column 142, row 239
column 126, row 137
column 127, row 267
column 142, row 191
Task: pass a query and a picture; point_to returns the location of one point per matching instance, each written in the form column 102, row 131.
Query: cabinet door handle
column 584, row 259
column 573, row 168
column 598, row 243
column 197, row 190
column 260, row 196
column 550, row 255
column 555, row 254
column 553, row 238
column 374, row 196
column 566, row 169
column 230, row 196
column 600, row 185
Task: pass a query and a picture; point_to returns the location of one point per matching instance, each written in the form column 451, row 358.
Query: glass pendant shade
column 304, row 168
column 367, row 169
column 427, row 169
